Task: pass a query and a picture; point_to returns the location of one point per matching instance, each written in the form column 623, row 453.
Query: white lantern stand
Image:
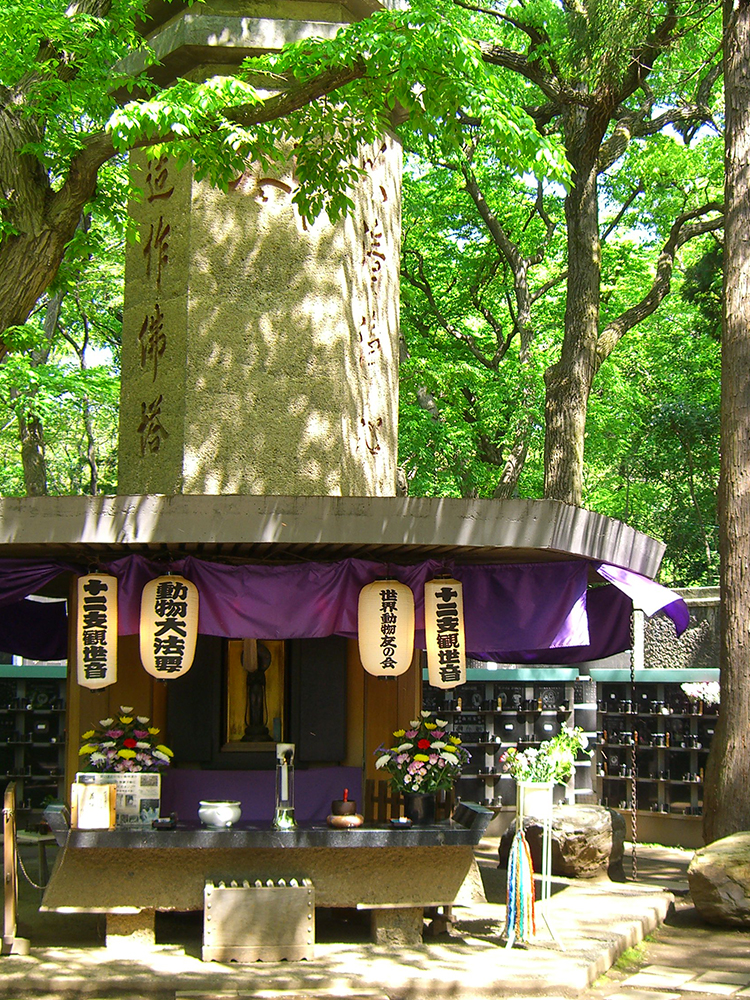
column 534, row 798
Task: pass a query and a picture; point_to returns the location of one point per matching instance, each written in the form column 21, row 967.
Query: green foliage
column 703, row 289
column 653, row 442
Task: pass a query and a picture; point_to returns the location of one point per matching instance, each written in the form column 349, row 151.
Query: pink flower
column 115, row 734
column 434, row 758
column 411, row 733
column 140, row 733
column 438, row 734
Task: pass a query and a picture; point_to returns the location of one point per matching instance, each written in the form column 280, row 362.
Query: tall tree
column 61, row 66
column 726, row 801
column 604, row 78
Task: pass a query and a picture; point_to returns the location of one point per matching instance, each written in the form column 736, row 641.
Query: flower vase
column 534, row 798
column 419, row 807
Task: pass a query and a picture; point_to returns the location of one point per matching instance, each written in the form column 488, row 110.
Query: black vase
column 419, row 807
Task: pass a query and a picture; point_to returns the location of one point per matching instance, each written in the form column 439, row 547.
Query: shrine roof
column 290, row 529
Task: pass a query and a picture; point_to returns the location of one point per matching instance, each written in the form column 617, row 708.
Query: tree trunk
column 726, row 807
column 568, row 382
column 31, row 434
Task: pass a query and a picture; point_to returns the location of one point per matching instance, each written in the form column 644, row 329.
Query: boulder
column 586, row 841
column 719, row 880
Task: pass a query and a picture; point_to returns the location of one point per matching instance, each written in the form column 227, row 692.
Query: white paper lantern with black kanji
column 96, row 630
column 444, row 633
column 386, row 628
column 169, row 626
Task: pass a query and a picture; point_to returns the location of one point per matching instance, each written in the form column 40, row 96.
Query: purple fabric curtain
column 34, row 630
column 536, row 606
column 530, row 612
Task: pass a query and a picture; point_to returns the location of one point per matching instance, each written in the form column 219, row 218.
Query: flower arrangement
column 125, row 743
column 708, row 692
column 425, row 758
column 554, row 760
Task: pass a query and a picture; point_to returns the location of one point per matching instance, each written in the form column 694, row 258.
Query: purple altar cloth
column 183, row 788
column 528, row 612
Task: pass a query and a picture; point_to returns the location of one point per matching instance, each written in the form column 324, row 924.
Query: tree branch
column 638, row 189
column 423, row 284
column 683, row 229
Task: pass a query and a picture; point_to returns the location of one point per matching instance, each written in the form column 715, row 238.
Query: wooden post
column 12, row 945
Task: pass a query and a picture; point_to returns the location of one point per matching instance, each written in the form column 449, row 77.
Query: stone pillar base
column 397, row 926
column 129, row 932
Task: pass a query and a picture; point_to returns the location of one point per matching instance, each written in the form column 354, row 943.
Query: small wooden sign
column 92, row 806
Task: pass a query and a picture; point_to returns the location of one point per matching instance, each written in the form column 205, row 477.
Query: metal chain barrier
column 26, row 875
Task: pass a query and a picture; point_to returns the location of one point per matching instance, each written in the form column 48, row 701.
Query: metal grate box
column 259, row 922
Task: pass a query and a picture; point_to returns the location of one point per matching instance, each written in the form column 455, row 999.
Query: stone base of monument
column 719, row 880
column 587, row 841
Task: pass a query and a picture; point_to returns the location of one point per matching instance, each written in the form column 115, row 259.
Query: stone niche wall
column 698, row 647
column 260, row 354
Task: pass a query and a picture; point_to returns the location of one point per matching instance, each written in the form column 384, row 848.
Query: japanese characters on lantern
column 96, row 630
column 386, row 628
column 169, row 626
column 444, row 633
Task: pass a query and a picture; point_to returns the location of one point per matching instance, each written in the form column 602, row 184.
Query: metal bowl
column 219, row 813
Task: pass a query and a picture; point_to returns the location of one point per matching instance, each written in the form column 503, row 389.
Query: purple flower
column 438, row 734
column 411, row 733
column 140, row 733
column 115, row 734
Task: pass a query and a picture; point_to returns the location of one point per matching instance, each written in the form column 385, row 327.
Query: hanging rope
column 520, row 919
column 633, row 757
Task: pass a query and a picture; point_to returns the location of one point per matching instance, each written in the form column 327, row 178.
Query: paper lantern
column 96, row 630
column 386, row 628
column 169, row 626
column 444, row 633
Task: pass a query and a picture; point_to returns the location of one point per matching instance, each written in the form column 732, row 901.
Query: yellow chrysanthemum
column 86, row 748
column 153, row 730
column 165, row 750
column 126, row 719
column 88, row 735
column 455, row 739
column 421, row 757
column 430, row 725
column 127, row 754
column 399, row 733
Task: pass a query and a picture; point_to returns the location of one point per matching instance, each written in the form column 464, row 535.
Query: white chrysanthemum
column 414, row 724
column 441, row 723
column 97, row 757
column 381, row 762
column 161, row 756
column 449, row 756
column 403, row 747
column 143, row 719
column 107, row 743
column 438, row 745
column 126, row 709
column 143, row 745
column 425, row 715
column 106, row 723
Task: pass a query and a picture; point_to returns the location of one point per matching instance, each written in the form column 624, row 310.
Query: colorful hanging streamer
column 520, row 921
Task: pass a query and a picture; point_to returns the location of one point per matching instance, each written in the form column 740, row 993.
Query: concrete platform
column 594, row 921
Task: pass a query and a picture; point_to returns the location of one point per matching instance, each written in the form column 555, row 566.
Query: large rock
column 586, row 841
column 719, row 880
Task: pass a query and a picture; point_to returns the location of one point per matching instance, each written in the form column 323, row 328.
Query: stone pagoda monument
column 260, row 354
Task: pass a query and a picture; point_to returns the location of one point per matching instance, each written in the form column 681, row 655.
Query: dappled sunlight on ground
column 588, row 918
